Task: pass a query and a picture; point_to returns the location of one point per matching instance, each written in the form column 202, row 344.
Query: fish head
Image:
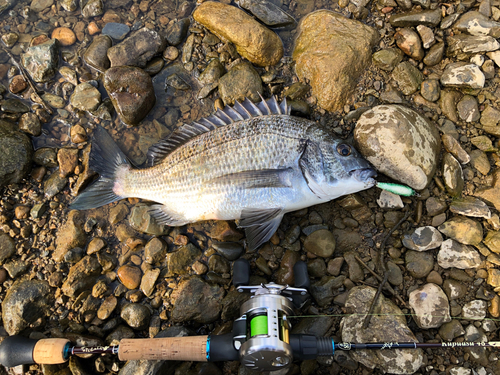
column 333, row 167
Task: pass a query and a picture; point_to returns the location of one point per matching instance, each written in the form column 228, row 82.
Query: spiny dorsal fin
column 239, row 112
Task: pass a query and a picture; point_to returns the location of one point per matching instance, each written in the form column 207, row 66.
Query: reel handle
column 19, row 350
column 241, row 272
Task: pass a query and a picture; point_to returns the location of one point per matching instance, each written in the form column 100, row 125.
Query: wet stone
column 95, row 245
column 419, row 264
column 492, row 240
column 241, row 82
column 430, row 90
column 387, row 59
column 86, row 97
column 324, row 290
column 14, row 106
column 81, row 276
column 116, row 31
column 96, row 54
column 131, row 92
column 320, row 243
column 424, row 238
column 316, row 267
column 430, row 305
column 130, row 276
column 284, row 275
column 136, row 315
column 480, row 161
column 451, row 330
column 68, row 160
column 454, row 289
column 175, row 81
column 456, row 255
column 409, row 19
column 475, row 23
column 64, row 35
column 229, row 250
column 30, row 124
column 212, row 72
column 470, row 206
column 409, row 42
column 18, row 84
column 155, row 251
column 179, row 261
column 41, row 61
column 490, row 118
column 462, row 74
column 196, row 300
column 407, row 77
column 69, row 5
column 26, row 301
column 453, row 147
column 435, row 54
column 220, row 265
column 137, row 49
column 426, row 35
column 462, row 45
column 463, row 230
column 452, row 175
column 9, row 39
column 269, row 13
column 54, row 184
column 92, row 8
column 176, row 31
column 7, row 247
column 171, row 53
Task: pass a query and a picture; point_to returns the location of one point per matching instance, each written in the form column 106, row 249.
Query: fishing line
column 402, row 314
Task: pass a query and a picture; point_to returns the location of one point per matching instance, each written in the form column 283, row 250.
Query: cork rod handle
column 188, row 348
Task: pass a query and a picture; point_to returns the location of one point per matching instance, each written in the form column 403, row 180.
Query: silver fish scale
column 183, row 181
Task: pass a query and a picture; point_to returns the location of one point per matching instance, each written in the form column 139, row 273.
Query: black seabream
column 251, row 162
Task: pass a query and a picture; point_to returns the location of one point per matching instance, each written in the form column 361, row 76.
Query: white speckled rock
column 389, row 326
column 457, row 255
column 389, row 200
column 400, row 143
column 460, row 371
column 430, row 305
column 475, row 310
column 424, row 238
column 463, row 74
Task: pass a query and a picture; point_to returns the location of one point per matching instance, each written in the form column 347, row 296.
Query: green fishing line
column 396, row 189
column 258, row 325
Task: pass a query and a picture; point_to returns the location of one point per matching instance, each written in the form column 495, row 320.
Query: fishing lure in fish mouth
column 397, row 189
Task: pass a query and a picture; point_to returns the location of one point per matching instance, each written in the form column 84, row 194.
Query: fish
column 251, row 162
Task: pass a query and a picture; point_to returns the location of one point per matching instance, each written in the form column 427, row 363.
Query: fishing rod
column 260, row 337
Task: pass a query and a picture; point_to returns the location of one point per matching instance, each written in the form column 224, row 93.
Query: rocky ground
column 414, row 83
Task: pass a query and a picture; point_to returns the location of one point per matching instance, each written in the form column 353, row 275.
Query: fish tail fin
column 109, row 162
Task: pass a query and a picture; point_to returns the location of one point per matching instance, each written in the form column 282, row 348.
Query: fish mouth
column 364, row 175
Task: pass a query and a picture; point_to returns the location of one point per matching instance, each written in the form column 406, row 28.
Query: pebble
column 470, row 206
column 419, row 264
column 179, row 261
column 426, row 35
column 430, row 90
column 17, row 84
column 64, row 35
column 81, row 276
column 457, row 255
column 463, row 230
column 452, row 175
column 389, row 200
column 423, row 239
column 409, row 42
column 41, row 61
column 388, row 58
column 435, row 54
column 92, row 8
column 30, row 124
column 492, row 240
column 430, row 305
column 320, row 243
column 480, row 161
column 407, row 77
column 86, row 97
column 136, row 315
column 467, row 109
column 269, row 13
column 475, row 310
column 463, row 75
column 454, row 289
column 96, row 54
column 409, row 19
column 241, row 81
column 116, row 31
column 130, row 276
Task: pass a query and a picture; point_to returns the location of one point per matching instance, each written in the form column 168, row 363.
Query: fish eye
column 343, row 149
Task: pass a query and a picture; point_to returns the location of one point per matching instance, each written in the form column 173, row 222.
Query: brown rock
column 225, row 231
column 491, row 194
column 285, row 276
column 22, row 212
column 78, row 134
column 93, row 28
column 68, row 160
column 39, row 40
column 494, row 308
column 17, row 84
column 331, row 52
column 253, row 41
column 409, row 42
column 130, row 276
column 64, row 35
column 70, row 235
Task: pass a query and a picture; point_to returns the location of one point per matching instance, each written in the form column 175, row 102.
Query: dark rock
column 435, row 54
column 196, row 300
column 15, row 155
column 268, row 13
column 410, row 19
column 419, row 264
column 131, row 91
column 137, row 49
column 81, row 276
column 136, row 315
column 41, row 61
column 116, row 31
column 7, row 247
column 176, row 31
column 241, row 82
column 96, row 54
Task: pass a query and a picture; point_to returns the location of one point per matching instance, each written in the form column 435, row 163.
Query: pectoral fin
column 260, row 225
column 263, row 178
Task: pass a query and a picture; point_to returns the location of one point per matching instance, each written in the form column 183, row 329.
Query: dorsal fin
column 239, row 112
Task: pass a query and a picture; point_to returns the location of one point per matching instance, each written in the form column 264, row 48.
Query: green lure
column 397, row 189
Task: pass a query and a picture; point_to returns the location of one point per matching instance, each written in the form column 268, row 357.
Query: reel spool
column 266, row 346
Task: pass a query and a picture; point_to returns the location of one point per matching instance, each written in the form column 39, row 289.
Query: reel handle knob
column 241, row 272
column 301, row 276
